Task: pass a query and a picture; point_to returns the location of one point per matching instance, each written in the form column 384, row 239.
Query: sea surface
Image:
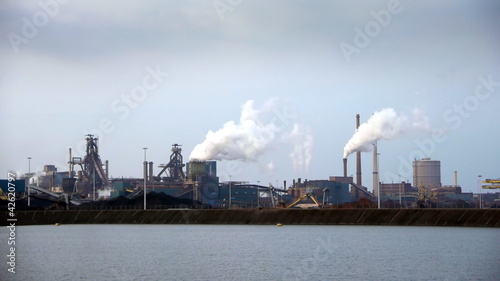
column 250, row 252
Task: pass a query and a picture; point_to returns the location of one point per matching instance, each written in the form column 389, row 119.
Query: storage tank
column 427, row 172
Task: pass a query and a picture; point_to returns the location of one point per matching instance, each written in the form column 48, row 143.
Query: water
column 247, row 252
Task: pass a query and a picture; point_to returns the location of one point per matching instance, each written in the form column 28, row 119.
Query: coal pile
column 35, row 204
column 152, row 199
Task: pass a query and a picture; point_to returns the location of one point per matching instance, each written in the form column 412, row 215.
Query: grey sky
column 74, row 71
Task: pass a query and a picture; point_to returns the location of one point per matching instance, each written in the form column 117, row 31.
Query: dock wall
column 399, row 217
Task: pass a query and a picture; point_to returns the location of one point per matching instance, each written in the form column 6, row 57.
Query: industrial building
column 88, row 179
column 397, row 188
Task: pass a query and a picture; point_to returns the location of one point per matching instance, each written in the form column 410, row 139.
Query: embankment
column 401, row 217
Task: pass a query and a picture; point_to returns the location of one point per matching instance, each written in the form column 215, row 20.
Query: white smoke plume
column 249, row 138
column 385, row 124
column 303, row 141
column 245, row 140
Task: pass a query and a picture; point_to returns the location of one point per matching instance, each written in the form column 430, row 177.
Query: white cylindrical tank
column 427, row 172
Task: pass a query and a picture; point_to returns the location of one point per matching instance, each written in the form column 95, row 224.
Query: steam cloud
column 251, row 137
column 385, row 124
column 303, row 145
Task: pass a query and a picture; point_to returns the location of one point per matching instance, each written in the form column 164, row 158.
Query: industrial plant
column 87, row 181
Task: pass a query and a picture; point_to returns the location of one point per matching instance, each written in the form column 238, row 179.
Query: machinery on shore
column 493, row 184
column 307, row 195
column 311, row 195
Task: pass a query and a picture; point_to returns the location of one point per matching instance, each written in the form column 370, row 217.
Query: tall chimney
column 70, row 170
column 358, row 158
column 150, row 171
column 375, row 174
column 345, row 167
column 284, row 184
column 455, row 178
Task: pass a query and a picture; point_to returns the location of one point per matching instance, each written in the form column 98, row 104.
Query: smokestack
column 455, row 178
column 375, row 174
column 150, row 171
column 70, row 172
column 284, row 185
column 358, row 158
column 145, row 170
column 345, row 167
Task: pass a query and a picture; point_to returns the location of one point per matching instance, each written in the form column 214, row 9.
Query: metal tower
column 91, row 165
column 174, row 167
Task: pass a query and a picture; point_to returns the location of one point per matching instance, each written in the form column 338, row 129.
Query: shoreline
column 390, row 217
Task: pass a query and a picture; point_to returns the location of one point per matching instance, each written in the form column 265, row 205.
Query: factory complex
column 87, row 180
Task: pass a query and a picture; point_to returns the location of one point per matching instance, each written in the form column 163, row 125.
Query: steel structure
column 426, row 195
column 325, row 196
column 91, row 165
column 493, row 184
column 54, row 197
column 272, row 191
column 174, row 168
column 307, row 195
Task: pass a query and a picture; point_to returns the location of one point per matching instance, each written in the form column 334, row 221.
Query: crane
column 307, row 195
column 493, row 184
